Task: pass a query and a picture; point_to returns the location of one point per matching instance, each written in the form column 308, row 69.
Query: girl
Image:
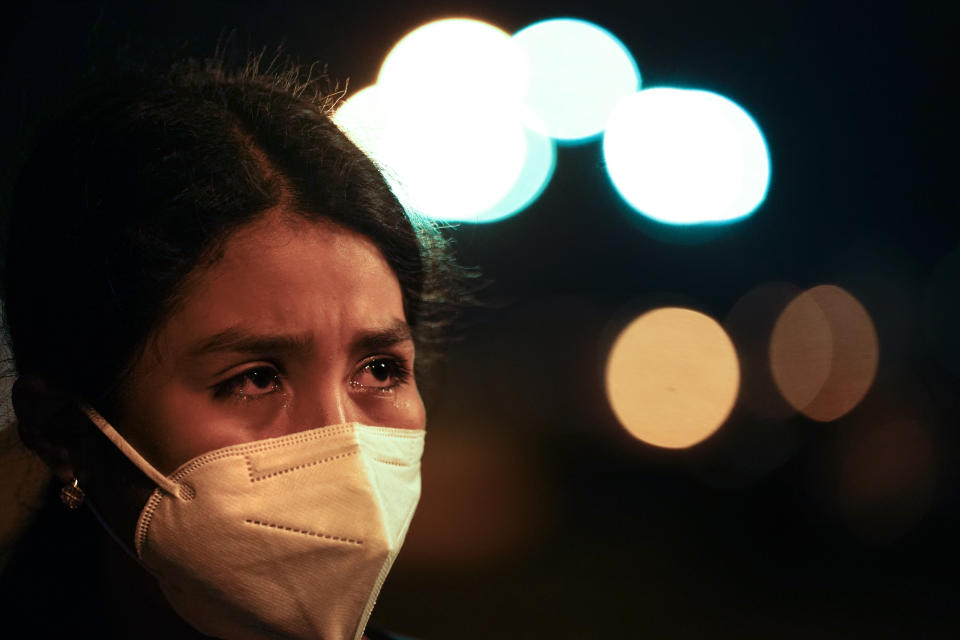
column 214, row 302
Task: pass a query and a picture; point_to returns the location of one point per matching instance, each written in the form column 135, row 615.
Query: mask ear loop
column 141, row 463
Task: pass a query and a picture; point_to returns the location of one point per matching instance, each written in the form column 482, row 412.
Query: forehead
column 282, row 273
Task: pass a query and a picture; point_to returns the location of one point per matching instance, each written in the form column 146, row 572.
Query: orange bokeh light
column 672, row 377
column 824, row 353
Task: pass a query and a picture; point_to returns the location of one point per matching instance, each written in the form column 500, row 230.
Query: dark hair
column 141, row 180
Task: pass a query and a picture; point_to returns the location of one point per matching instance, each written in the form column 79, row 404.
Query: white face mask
column 284, row 537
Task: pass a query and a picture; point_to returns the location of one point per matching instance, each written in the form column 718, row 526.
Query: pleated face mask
column 285, row 537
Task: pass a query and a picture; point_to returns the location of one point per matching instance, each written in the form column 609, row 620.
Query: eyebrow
column 395, row 333
column 238, row 340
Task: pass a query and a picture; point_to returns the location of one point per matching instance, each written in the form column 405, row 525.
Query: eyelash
column 399, row 371
column 229, row 389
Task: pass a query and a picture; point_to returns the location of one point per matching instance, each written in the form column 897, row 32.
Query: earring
column 72, row 495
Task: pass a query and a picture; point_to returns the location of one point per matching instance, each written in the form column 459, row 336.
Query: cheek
column 404, row 410
column 417, row 412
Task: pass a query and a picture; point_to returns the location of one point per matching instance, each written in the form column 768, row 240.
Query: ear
column 47, row 420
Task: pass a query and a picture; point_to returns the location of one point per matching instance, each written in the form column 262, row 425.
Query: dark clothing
column 52, row 585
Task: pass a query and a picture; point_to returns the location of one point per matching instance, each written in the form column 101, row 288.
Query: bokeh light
column 883, row 469
column 672, row 377
column 801, row 351
column 365, row 120
column 684, row 156
column 454, row 148
column 539, row 163
column 578, row 72
column 824, row 353
column 454, row 61
column 887, row 476
column 750, row 324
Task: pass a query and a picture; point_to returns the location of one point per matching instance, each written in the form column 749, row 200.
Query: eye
column 252, row 383
column 381, row 374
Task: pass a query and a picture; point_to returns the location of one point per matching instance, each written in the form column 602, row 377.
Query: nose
column 322, row 404
column 325, row 400
column 335, row 410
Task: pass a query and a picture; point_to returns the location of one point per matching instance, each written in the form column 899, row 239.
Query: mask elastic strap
column 141, row 463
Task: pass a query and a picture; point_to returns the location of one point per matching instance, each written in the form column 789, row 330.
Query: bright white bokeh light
column 540, row 161
column 685, row 156
column 363, row 118
column 443, row 122
column 449, row 165
column 577, row 73
column 365, row 121
column 454, row 165
column 456, row 60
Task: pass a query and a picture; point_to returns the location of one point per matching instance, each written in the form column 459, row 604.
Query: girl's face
column 299, row 325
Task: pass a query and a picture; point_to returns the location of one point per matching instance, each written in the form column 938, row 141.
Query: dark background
column 541, row 517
